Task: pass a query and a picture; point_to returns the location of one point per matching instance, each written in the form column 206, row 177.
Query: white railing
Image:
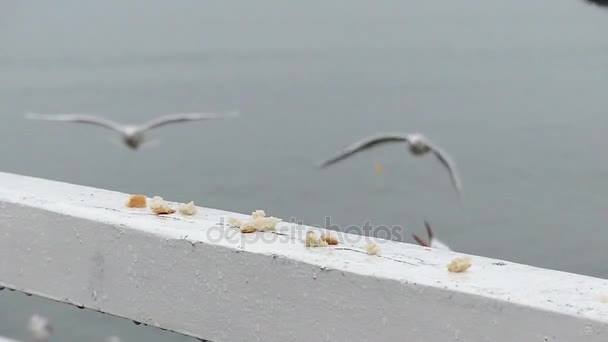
column 4, row 339
column 200, row 277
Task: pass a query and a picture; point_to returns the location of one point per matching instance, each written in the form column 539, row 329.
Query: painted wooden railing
column 198, row 276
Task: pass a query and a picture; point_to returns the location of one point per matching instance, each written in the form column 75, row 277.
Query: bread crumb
column 188, row 208
column 258, row 214
column 137, row 201
column 372, row 248
column 313, row 241
column 234, row 222
column 379, row 169
column 604, row 299
column 160, row 207
column 459, row 264
column 246, row 229
column 259, row 224
column 330, row 239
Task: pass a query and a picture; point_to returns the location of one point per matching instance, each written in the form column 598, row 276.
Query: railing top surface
column 4, row 339
column 543, row 289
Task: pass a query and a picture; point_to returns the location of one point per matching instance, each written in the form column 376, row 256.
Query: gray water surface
column 514, row 90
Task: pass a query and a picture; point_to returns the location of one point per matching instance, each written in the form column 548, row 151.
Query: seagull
column 418, row 145
column 39, row 328
column 134, row 136
column 433, row 243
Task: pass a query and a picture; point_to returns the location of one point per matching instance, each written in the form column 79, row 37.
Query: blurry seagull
column 133, row 136
column 39, row 328
column 418, row 145
column 432, row 242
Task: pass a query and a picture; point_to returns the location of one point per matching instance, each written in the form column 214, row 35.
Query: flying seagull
column 418, row 145
column 133, row 136
column 432, row 242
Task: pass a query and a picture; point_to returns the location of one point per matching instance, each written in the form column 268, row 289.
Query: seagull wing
column 449, row 164
column 420, row 241
column 88, row 119
column 603, row 3
column 184, row 117
column 365, row 144
column 429, row 231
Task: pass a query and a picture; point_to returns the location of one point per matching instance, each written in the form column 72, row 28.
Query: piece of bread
column 188, row 208
column 260, row 224
column 137, row 201
column 330, row 239
column 258, row 214
column 459, row 265
column 372, row 248
column 160, row 207
column 313, row 241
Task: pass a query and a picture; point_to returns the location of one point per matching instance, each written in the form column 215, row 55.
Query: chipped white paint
column 192, row 275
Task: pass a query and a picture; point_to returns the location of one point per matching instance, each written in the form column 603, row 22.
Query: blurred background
column 514, row 90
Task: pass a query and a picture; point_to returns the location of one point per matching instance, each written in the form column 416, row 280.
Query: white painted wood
column 4, row 339
column 192, row 275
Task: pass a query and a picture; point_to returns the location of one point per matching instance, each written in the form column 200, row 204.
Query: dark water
column 515, row 90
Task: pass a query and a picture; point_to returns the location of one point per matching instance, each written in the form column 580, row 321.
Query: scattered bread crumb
column 246, row 229
column 373, row 248
column 234, row 222
column 379, row 168
column 260, row 224
column 188, row 208
column 330, row 239
column 160, row 207
column 459, row 264
column 313, row 241
column 258, row 214
column 137, row 201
